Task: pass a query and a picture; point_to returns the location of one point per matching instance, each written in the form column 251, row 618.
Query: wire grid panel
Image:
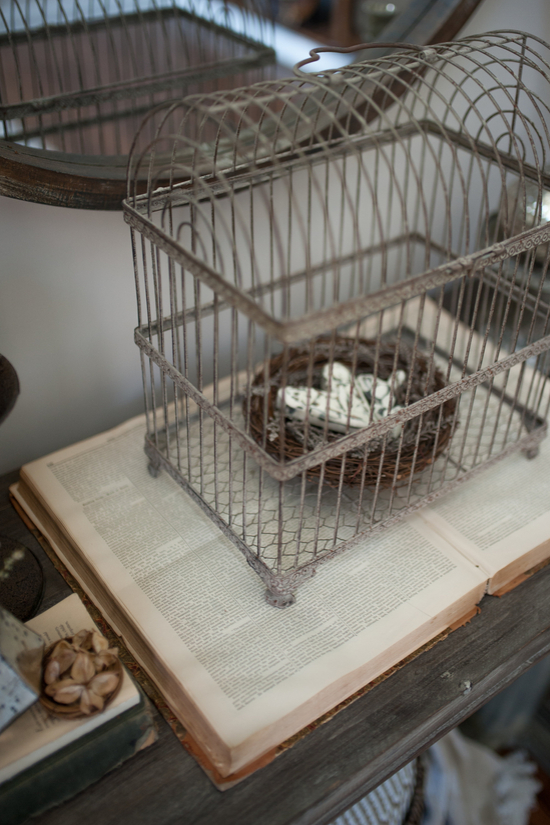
column 329, row 245
column 78, row 78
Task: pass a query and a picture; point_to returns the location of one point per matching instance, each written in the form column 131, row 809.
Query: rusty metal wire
column 77, row 77
column 392, row 215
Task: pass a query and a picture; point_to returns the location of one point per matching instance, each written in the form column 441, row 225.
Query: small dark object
column 412, row 455
column 22, row 584
column 21, row 579
column 9, row 387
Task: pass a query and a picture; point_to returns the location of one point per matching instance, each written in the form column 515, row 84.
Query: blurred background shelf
column 74, row 87
column 347, row 22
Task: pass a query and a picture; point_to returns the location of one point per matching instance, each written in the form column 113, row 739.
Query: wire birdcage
column 76, row 79
column 344, row 312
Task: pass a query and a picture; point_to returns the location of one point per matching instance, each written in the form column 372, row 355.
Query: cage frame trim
column 347, row 312
column 295, row 467
column 284, row 584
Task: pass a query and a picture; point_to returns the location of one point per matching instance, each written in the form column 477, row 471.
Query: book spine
column 62, row 775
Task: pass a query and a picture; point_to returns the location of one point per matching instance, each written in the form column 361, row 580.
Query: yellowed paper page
column 501, row 519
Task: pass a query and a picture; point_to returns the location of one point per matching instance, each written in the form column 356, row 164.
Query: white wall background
column 67, row 305
column 67, row 312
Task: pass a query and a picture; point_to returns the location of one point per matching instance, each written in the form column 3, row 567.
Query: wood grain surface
column 341, row 760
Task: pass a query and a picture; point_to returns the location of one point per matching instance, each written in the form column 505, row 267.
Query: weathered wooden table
column 340, row 761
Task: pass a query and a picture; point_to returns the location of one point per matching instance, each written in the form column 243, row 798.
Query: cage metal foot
column 280, row 600
column 154, row 469
column 531, row 452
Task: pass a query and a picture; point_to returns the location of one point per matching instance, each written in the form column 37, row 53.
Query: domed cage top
column 77, row 78
column 342, row 288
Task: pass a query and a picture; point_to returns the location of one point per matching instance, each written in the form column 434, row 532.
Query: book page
column 247, row 666
column 501, row 519
column 35, row 734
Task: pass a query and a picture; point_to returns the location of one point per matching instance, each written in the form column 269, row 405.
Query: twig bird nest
column 404, row 447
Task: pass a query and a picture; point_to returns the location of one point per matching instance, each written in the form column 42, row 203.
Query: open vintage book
column 241, row 675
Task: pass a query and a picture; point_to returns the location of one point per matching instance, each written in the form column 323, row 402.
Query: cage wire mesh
column 345, row 311
column 77, row 76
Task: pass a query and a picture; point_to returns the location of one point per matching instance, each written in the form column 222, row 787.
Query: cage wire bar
column 345, row 311
column 78, row 76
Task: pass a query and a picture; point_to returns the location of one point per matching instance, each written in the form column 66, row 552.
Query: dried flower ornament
column 81, row 675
